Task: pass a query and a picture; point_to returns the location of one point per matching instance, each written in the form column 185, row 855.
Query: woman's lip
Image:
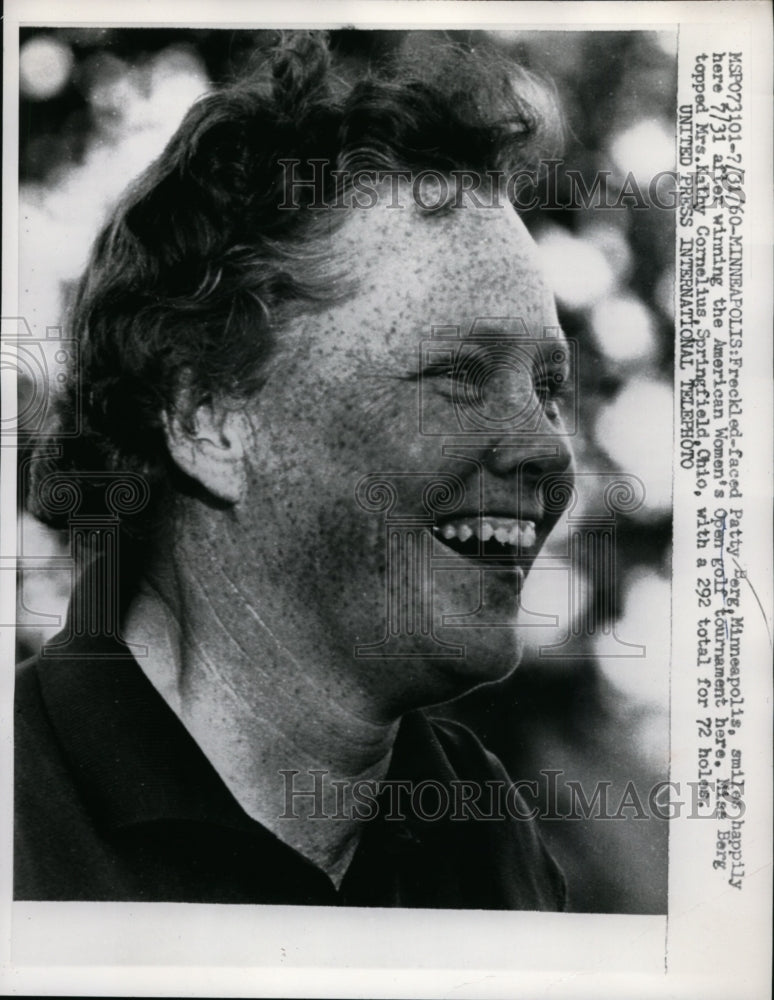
column 505, row 562
column 527, row 514
column 510, row 572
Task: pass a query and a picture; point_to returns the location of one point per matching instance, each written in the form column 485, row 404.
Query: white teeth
column 506, row 530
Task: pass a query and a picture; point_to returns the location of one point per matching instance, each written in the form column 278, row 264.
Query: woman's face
column 393, row 509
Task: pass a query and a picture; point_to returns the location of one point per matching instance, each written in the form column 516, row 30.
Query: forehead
column 414, row 270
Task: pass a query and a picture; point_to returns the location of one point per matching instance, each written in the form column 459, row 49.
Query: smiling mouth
column 488, row 537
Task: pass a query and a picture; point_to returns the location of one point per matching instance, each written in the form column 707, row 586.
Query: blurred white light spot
column 98, row 73
column 137, row 109
column 645, row 622
column 177, row 80
column 43, row 586
column 44, row 67
column 577, row 271
column 635, row 430
column 623, row 328
column 644, row 150
column 115, row 90
column 613, row 244
column 665, row 292
column 504, row 38
column 666, row 41
column 547, row 614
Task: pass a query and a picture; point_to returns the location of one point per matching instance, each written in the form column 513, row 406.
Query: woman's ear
column 211, row 449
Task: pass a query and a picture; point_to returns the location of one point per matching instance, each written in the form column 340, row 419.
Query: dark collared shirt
column 115, row 801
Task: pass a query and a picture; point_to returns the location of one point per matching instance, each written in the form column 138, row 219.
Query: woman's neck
column 274, row 725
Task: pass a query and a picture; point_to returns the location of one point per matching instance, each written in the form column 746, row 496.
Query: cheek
column 349, row 544
column 346, row 585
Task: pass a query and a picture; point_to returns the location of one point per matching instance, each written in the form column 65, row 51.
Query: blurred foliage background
column 98, row 104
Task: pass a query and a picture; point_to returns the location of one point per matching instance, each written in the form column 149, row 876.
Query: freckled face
column 405, row 602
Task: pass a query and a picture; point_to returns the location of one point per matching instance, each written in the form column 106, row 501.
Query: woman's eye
column 443, row 373
column 550, row 390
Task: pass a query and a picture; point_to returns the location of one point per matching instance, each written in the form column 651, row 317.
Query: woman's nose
column 536, row 455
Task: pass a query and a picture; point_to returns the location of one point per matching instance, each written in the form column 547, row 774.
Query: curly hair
column 191, row 279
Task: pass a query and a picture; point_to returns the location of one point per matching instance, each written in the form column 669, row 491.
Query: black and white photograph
column 386, row 560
